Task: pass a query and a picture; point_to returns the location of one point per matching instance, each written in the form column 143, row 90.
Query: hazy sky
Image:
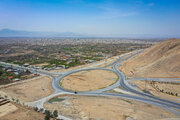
column 92, row 16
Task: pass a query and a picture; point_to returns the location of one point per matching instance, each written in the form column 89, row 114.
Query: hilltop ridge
column 160, row 60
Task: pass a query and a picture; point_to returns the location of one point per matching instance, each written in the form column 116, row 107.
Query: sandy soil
column 32, row 90
column 40, row 65
column 21, row 113
column 160, row 60
column 88, row 80
column 108, row 61
column 105, row 108
column 156, row 87
column 6, row 109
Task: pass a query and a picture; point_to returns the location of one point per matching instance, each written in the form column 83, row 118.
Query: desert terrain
column 88, row 80
column 160, row 60
column 27, row 91
column 11, row 111
column 89, row 59
column 93, row 105
column 106, row 108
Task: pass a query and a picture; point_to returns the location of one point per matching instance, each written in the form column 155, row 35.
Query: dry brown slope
column 160, row 60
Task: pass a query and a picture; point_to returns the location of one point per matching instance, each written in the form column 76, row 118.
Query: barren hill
column 160, row 60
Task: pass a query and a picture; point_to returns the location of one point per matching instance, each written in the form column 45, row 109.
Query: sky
column 101, row 17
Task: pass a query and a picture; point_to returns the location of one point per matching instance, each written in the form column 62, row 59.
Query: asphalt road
column 121, row 82
column 170, row 80
column 147, row 98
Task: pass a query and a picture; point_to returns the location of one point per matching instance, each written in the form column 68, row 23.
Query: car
column 75, row 92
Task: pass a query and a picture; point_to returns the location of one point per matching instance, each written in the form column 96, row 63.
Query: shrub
column 36, row 108
column 48, row 115
column 55, row 114
column 41, row 110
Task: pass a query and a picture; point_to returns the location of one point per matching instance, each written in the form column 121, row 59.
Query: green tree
column 48, row 115
column 162, row 90
column 36, row 108
column 47, row 118
column 55, row 114
column 41, row 110
column 17, row 101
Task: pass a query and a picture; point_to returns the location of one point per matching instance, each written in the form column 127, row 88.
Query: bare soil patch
column 32, row 90
column 106, row 108
column 160, row 60
column 42, row 64
column 89, row 80
column 7, row 108
column 20, row 113
column 108, row 61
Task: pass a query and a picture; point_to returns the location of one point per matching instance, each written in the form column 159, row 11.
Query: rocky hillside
column 160, row 60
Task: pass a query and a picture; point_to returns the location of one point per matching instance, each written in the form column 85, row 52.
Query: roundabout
column 78, row 82
column 88, row 80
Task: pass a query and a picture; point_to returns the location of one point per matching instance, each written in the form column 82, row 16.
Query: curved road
column 122, row 82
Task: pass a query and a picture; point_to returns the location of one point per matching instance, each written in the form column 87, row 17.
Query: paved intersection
column 121, row 82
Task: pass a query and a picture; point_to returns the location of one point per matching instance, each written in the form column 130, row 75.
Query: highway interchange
column 121, row 82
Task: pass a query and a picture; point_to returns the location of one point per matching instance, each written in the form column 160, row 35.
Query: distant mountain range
column 18, row 33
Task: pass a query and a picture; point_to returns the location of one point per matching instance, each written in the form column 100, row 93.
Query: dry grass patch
column 106, row 108
column 89, row 80
column 41, row 65
column 160, row 60
column 32, row 90
column 7, row 108
column 21, row 113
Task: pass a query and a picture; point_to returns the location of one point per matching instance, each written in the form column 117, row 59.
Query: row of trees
column 170, row 93
column 162, row 90
column 47, row 113
column 50, row 115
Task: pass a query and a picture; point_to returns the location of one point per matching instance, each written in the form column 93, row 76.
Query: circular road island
column 89, row 80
